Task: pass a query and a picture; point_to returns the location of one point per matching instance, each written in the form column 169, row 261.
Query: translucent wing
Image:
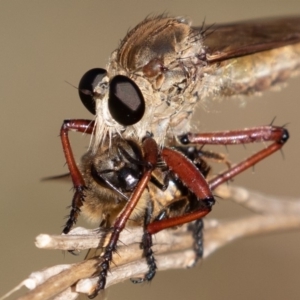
column 233, row 40
column 248, row 57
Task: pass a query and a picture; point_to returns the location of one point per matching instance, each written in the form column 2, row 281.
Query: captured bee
column 112, row 174
column 140, row 167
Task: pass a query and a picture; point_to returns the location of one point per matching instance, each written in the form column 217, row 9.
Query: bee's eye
column 90, row 86
column 128, row 178
column 126, row 103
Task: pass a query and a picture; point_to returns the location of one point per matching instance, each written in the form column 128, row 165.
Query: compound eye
column 90, row 86
column 126, row 103
column 128, row 179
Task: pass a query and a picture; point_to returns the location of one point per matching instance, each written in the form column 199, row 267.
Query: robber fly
column 137, row 167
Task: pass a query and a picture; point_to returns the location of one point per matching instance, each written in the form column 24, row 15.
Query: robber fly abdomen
column 250, row 74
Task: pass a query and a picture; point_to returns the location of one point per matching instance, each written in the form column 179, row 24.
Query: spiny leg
column 86, row 126
column 199, row 186
column 150, row 156
column 279, row 136
column 233, row 137
column 185, row 170
column 267, row 133
column 146, row 245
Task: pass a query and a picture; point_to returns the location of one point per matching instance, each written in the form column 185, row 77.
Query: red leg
column 245, row 164
column 151, row 152
column 258, row 134
column 185, row 169
column 233, row 137
column 194, row 180
column 86, row 126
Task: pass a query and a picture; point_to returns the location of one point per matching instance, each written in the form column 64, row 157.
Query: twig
column 274, row 215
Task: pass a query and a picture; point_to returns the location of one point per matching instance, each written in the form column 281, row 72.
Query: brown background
column 42, row 45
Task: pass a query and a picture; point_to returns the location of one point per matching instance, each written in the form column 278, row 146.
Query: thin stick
column 274, row 215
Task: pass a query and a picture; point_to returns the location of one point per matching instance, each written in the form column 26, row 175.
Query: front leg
column 191, row 177
column 146, row 245
column 86, row 126
column 150, row 150
column 194, row 180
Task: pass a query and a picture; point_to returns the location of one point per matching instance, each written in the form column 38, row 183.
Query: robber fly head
column 117, row 102
column 144, row 86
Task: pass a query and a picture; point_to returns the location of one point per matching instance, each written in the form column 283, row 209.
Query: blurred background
column 44, row 44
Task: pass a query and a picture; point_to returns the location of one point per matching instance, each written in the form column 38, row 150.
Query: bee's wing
column 224, row 41
column 62, row 178
column 93, row 252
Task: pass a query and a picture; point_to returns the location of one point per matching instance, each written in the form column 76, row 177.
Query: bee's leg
column 85, row 126
column 150, row 150
column 197, row 231
column 200, row 157
column 279, row 136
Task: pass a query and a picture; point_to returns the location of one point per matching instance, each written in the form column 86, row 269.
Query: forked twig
column 272, row 214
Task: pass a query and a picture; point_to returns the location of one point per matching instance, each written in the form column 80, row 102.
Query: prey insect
column 141, row 167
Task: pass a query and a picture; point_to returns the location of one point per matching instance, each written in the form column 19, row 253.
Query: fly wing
column 248, row 57
column 224, row 41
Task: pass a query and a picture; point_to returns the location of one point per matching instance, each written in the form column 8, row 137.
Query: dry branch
column 272, row 214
